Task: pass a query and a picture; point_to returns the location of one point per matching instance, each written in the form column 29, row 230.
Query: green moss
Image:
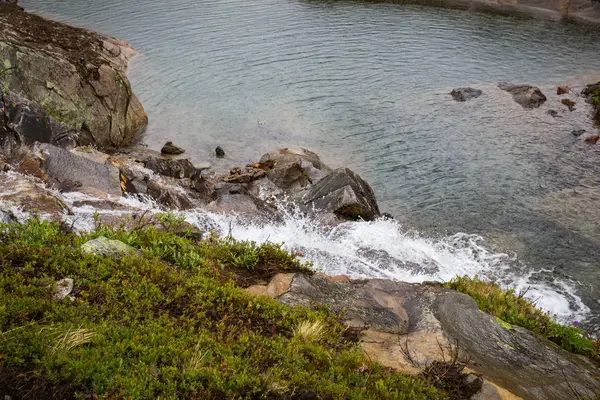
column 167, row 322
column 53, row 112
column 515, row 309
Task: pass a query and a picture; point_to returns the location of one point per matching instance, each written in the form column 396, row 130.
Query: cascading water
column 377, row 249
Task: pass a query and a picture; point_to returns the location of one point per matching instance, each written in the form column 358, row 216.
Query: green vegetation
column 515, row 309
column 169, row 321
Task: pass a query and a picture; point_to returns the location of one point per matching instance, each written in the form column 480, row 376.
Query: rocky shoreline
column 69, row 115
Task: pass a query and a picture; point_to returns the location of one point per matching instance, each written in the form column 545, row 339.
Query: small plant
column 310, row 331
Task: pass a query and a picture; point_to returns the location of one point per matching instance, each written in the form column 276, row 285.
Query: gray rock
column 552, row 113
column 516, row 359
column 170, row 148
column 408, row 324
column 345, row 194
column 75, row 75
column 7, row 217
column 314, row 169
column 464, row 94
column 220, row 153
column 178, row 169
column 64, row 287
column 26, row 122
column 526, row 95
column 62, row 165
column 102, row 246
column 578, row 132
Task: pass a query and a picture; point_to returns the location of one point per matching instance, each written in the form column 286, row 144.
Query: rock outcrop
column 526, row 95
column 71, row 84
column 345, row 194
column 464, row 94
column 409, row 327
column 592, row 95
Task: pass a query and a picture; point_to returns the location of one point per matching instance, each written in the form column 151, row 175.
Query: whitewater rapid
column 378, row 249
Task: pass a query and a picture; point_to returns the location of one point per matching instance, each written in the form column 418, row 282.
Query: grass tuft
column 310, row 331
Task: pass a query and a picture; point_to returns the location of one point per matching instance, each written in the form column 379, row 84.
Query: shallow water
column 366, row 85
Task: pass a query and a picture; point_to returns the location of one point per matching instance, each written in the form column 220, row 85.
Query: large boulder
column 103, row 246
column 55, row 165
column 294, row 168
column 526, row 95
column 410, row 327
column 345, row 194
column 76, row 76
column 464, row 94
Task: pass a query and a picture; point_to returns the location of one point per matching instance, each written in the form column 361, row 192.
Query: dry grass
column 310, row 331
column 194, row 363
column 71, row 339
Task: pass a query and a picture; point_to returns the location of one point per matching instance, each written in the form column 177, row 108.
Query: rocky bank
column 64, row 85
column 64, row 89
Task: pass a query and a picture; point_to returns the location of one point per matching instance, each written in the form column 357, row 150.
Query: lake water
column 366, row 86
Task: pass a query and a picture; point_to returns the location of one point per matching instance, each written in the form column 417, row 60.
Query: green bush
column 168, row 322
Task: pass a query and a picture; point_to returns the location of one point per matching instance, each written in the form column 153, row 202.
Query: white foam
column 376, row 249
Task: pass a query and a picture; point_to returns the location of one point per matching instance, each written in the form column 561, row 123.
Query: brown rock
column 77, row 76
column 592, row 139
column 526, row 95
column 563, row 90
column 170, row 148
column 569, row 103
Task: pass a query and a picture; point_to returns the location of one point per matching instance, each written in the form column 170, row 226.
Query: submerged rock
column 569, row 103
column 578, row 132
column 345, row 194
column 526, row 95
column 552, row 113
column 464, row 94
column 71, row 78
column 102, row 246
column 592, row 139
column 219, row 152
column 170, row 148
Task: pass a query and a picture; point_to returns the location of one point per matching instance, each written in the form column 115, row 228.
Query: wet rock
column 178, row 169
column 412, row 326
column 464, row 94
column 172, row 195
column 516, row 359
column 26, row 122
column 102, row 246
column 219, row 152
column 569, row 103
column 7, row 217
column 237, row 204
column 563, row 90
column 246, row 175
column 345, row 194
column 578, row 132
column 75, row 75
column 592, row 139
column 170, row 148
column 63, row 165
column 309, row 162
column 552, row 113
column 526, row 95
column 22, row 192
column 289, row 176
column 592, row 95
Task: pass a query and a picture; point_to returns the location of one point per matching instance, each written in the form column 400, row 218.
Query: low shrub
column 168, row 322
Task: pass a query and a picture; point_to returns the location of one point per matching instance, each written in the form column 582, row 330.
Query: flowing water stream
column 484, row 187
